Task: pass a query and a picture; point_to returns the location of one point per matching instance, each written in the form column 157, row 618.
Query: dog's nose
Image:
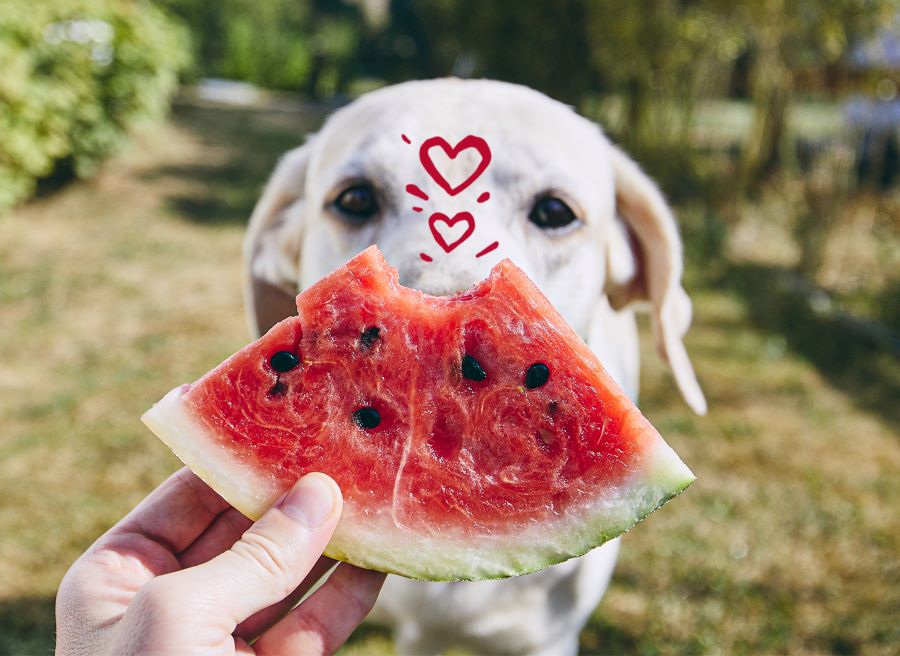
column 435, row 287
column 438, row 280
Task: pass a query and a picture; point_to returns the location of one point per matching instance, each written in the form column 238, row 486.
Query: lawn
column 115, row 290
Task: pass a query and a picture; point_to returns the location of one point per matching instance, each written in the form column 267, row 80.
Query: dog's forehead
column 525, row 129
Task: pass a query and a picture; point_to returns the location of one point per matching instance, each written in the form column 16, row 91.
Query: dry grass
column 113, row 291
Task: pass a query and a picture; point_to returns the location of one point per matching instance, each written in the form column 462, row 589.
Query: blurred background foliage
column 76, row 76
column 773, row 126
column 678, row 53
column 719, row 100
column 645, row 68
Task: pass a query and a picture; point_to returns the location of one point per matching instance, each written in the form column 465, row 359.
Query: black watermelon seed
column 278, row 389
column 284, row 361
column 369, row 336
column 471, row 369
column 537, row 375
column 367, row 417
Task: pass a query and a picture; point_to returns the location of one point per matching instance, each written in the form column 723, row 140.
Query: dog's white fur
column 626, row 253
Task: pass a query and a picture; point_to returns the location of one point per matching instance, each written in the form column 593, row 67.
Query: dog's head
column 568, row 207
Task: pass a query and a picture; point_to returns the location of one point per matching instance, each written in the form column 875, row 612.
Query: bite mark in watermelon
column 447, row 474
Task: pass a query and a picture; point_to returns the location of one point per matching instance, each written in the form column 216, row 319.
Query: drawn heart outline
column 440, row 217
column 471, row 141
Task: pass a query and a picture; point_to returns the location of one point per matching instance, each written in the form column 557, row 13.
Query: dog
column 567, row 206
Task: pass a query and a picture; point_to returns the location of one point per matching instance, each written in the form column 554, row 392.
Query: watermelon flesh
column 467, row 473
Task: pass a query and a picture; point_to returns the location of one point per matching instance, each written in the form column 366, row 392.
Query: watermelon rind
column 196, row 446
column 379, row 542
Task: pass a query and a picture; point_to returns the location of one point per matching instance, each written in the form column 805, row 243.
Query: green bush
column 308, row 46
column 75, row 75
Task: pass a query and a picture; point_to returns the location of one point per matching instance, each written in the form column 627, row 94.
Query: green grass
column 115, row 290
column 726, row 121
column 722, row 122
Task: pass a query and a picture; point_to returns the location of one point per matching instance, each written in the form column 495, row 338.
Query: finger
column 260, row 622
column 270, row 559
column 322, row 623
column 174, row 514
column 225, row 530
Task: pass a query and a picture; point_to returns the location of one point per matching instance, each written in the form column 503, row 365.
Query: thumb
column 273, row 556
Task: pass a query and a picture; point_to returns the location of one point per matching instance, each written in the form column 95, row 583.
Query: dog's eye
column 551, row 212
column 358, row 202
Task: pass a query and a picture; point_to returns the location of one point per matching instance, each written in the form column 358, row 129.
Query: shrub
column 76, row 75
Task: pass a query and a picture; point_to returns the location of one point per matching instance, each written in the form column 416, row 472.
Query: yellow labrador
column 583, row 221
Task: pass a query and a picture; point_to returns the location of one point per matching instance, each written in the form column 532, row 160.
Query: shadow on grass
column 859, row 357
column 601, row 636
column 27, row 625
column 242, row 147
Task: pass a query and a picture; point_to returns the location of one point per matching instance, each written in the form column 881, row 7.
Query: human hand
column 185, row 572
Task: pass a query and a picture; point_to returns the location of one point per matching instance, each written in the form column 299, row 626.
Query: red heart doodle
column 440, row 217
column 480, row 146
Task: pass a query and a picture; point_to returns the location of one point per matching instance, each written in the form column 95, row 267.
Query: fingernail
column 312, row 500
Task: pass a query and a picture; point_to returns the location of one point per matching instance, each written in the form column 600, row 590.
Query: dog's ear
column 272, row 244
column 644, row 264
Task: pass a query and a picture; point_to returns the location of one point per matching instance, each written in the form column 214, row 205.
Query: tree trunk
column 635, row 114
column 771, row 98
column 315, row 73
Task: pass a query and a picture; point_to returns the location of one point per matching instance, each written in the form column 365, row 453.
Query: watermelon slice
column 474, row 436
